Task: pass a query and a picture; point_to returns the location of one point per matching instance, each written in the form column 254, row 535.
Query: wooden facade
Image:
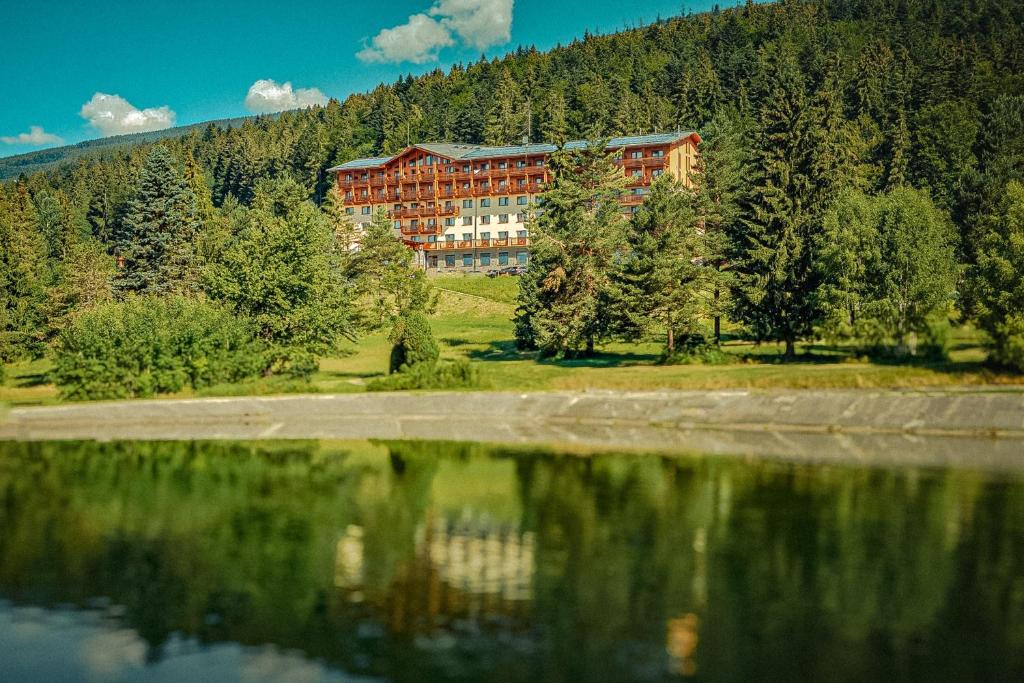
column 464, row 206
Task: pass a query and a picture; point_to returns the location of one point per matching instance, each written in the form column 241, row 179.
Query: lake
column 422, row 561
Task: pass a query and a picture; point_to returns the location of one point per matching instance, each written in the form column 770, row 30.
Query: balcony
column 426, row 177
column 534, row 188
column 633, row 199
column 447, row 211
column 519, row 241
column 447, row 193
column 482, row 190
column 425, row 194
column 464, row 176
column 377, row 181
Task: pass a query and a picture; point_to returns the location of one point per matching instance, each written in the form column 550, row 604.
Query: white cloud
column 477, row 23
column 35, row 136
column 114, row 115
column 417, row 41
column 266, row 96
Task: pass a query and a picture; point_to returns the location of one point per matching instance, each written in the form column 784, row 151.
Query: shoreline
column 983, row 429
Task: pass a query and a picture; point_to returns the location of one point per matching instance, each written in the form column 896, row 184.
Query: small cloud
column 266, row 96
column 417, row 41
column 114, row 115
column 476, row 23
column 35, row 136
column 479, row 23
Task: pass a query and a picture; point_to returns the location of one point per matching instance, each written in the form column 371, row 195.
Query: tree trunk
column 671, row 340
column 718, row 320
column 790, row 348
column 590, row 346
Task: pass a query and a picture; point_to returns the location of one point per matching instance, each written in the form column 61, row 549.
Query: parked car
column 507, row 270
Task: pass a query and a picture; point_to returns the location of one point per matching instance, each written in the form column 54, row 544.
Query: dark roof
column 460, row 151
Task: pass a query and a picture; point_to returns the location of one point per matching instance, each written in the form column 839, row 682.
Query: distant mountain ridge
column 31, row 162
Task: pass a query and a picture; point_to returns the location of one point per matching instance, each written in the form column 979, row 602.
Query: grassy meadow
column 474, row 321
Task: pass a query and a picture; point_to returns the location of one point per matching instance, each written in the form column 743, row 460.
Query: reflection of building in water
column 681, row 639
column 469, row 570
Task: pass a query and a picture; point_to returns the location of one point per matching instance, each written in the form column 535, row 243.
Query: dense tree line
column 803, row 104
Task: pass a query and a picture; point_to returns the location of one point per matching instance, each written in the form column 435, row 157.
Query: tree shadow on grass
column 505, row 350
column 31, row 379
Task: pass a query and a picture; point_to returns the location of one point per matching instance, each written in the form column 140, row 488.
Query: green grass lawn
column 474, row 321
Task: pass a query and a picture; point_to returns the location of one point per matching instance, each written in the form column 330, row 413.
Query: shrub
column 695, row 348
column 444, row 375
column 144, row 346
column 999, row 280
column 413, row 343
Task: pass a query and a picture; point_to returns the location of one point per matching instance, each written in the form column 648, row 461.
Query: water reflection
column 423, row 561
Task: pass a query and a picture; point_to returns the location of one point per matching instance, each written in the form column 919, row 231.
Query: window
column 449, row 222
column 349, row 210
column 657, row 172
column 348, row 177
column 366, row 211
column 637, row 173
column 449, row 260
column 430, row 160
column 658, row 154
column 485, row 258
column 485, row 235
column 502, row 184
column 467, row 260
column 503, row 218
column 502, row 258
column 639, row 154
column 539, row 162
column 521, row 201
column 522, row 257
column 485, row 202
column 502, row 201
column 397, row 207
column 414, row 223
column 465, row 168
column 485, row 220
column 503, row 234
column 467, row 235
column 520, row 234
column 522, row 182
column 449, row 238
column 467, row 203
column 521, row 163
column 364, row 193
column 485, row 167
column 448, row 204
column 398, row 225
column 432, row 238
column 467, row 220
column 520, row 218
column 431, row 222
column 349, row 195
column 502, row 164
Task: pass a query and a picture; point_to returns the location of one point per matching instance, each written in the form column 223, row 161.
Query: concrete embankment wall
column 978, row 428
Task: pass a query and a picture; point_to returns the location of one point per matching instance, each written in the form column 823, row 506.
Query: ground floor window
column 522, row 257
column 502, row 258
column 449, row 260
column 467, row 260
column 485, row 258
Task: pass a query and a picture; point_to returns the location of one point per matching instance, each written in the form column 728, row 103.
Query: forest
column 861, row 181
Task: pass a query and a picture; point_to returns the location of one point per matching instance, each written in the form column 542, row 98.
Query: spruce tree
column 662, row 279
column 158, row 234
column 554, row 127
column 24, row 275
column 506, row 121
column 565, row 295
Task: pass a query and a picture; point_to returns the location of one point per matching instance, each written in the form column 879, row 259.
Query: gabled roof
column 462, row 151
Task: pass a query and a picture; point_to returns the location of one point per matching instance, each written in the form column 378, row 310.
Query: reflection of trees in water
column 618, row 566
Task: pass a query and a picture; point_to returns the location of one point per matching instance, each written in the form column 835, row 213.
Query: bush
column 695, row 348
column 145, row 346
column 999, row 280
column 413, row 342
column 455, row 375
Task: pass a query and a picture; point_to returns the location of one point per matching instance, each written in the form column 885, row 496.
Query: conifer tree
column 506, row 121
column 157, row 239
column 564, row 296
column 24, row 275
column 774, row 275
column 554, row 127
column 662, row 279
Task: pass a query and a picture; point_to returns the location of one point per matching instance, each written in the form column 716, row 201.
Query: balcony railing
column 534, row 188
column 377, row 181
column 482, row 190
column 633, row 199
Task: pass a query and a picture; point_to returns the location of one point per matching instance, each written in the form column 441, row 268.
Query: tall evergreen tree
column 24, row 275
column 662, row 280
column 158, row 234
column 565, row 295
column 506, row 121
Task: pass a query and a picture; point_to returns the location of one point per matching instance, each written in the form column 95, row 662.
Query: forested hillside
column 800, row 103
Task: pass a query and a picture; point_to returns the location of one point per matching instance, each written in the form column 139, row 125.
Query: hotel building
column 463, row 207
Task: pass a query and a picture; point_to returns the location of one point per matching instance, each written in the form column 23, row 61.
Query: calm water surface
column 421, row 561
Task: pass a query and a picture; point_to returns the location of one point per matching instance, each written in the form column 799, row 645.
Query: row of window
column 465, row 168
column 466, row 220
column 522, row 258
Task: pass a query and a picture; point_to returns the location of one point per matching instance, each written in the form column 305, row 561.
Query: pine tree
column 772, row 251
column 24, row 275
column 564, row 296
column 388, row 285
column 159, row 232
column 662, row 280
column 554, row 127
column 506, row 121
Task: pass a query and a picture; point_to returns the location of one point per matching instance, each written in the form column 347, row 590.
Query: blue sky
column 73, row 70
